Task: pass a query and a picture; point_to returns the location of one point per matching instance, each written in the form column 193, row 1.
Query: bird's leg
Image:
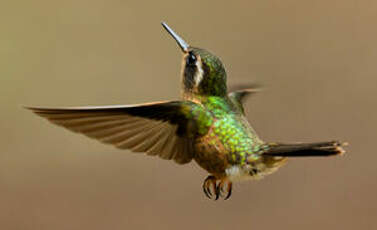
column 210, row 188
column 225, row 188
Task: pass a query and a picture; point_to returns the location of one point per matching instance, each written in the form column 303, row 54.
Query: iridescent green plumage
column 230, row 140
column 207, row 125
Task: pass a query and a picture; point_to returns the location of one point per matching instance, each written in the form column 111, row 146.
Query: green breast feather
column 230, row 126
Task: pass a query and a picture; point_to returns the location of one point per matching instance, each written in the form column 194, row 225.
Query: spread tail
column 318, row 149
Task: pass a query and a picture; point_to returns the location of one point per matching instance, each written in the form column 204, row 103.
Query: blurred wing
column 238, row 96
column 155, row 128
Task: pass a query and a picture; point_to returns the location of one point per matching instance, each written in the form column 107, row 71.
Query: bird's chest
column 227, row 143
column 211, row 154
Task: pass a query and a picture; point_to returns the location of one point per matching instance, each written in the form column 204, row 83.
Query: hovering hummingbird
column 207, row 125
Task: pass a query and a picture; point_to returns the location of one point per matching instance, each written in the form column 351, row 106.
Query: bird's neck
column 220, row 104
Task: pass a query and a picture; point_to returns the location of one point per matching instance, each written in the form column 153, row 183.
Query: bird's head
column 202, row 72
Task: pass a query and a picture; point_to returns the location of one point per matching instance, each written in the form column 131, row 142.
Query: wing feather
column 240, row 94
column 151, row 128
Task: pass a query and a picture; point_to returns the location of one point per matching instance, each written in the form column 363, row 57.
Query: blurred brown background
column 316, row 59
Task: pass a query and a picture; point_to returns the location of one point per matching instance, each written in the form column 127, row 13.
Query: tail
column 318, row 149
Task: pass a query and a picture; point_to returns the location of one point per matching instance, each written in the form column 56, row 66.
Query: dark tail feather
column 318, row 149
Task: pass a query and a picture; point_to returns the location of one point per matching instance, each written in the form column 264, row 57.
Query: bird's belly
column 219, row 150
column 265, row 165
column 211, row 155
column 231, row 149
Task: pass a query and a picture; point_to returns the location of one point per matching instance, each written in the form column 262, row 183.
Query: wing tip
column 252, row 87
column 27, row 107
column 39, row 110
column 33, row 109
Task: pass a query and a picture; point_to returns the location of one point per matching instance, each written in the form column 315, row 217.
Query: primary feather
column 155, row 128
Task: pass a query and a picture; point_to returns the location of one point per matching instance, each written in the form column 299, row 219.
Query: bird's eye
column 191, row 59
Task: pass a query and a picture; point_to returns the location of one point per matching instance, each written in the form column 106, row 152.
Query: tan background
column 317, row 60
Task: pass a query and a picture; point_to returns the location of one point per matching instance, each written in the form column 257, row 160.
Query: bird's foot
column 225, row 188
column 215, row 188
column 210, row 187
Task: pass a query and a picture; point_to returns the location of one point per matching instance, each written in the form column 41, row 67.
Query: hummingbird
column 208, row 125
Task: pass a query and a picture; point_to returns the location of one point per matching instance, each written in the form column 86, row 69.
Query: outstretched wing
column 239, row 95
column 160, row 128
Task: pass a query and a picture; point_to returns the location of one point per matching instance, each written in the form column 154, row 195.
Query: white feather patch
column 237, row 173
column 199, row 73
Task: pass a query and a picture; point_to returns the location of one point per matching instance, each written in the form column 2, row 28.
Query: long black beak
column 184, row 46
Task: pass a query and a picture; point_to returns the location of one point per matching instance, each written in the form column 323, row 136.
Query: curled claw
column 225, row 189
column 229, row 188
column 210, row 188
column 206, row 191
